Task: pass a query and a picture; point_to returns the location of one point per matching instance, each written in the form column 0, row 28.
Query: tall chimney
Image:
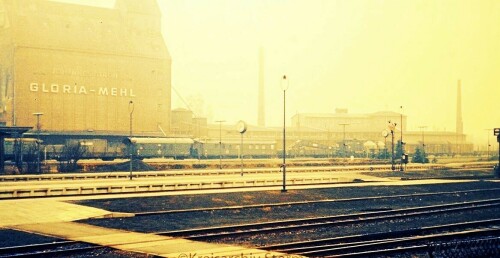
column 261, row 116
column 460, row 124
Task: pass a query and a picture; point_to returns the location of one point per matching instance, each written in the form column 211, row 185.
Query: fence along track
column 206, row 172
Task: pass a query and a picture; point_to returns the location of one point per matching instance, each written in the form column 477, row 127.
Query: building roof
column 13, row 131
column 131, row 28
column 350, row 115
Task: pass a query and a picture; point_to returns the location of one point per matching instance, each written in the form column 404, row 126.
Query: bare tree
column 70, row 155
column 18, row 155
column 29, row 155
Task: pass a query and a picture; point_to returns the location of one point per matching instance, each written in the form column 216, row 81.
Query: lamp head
column 284, row 83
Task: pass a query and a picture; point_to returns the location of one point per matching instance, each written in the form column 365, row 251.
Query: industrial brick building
column 84, row 67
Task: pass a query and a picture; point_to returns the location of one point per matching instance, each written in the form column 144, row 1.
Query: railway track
column 416, row 245
column 388, row 240
column 355, row 247
column 392, row 246
column 329, row 221
column 64, row 248
column 348, row 246
column 265, row 205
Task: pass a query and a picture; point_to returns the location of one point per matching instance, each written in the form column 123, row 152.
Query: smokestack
column 460, row 124
column 261, row 116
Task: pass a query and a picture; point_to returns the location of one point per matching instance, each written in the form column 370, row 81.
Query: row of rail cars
column 107, row 147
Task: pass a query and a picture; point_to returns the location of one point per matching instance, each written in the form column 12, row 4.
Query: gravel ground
column 13, row 238
column 166, row 222
column 104, row 253
column 9, row 238
column 356, row 229
column 179, row 202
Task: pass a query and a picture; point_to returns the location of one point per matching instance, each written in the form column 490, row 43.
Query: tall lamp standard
column 285, row 83
column 385, row 134
column 131, row 111
column 242, row 128
column 38, row 143
column 496, row 132
column 423, row 142
column 401, row 168
column 343, row 141
column 488, row 146
column 220, row 141
column 392, row 127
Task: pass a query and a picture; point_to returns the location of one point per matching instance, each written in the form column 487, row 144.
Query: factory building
column 92, row 70
column 86, row 69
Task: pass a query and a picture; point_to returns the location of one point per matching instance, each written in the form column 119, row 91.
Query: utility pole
column 220, row 141
column 131, row 111
column 38, row 142
column 392, row 127
column 488, row 146
column 496, row 132
column 344, row 147
column 423, row 142
column 242, row 128
column 401, row 168
column 284, row 86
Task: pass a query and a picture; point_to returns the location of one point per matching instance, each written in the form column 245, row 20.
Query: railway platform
column 57, row 219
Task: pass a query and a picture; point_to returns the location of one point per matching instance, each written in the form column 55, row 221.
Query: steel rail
column 362, row 248
column 354, row 199
column 273, row 226
column 312, row 245
column 46, row 249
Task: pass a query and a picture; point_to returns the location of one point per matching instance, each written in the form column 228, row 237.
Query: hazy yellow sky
column 364, row 55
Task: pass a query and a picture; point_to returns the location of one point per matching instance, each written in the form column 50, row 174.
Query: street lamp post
column 131, row 111
column 401, row 168
column 220, row 141
column 385, row 134
column 392, row 127
column 488, row 146
column 344, row 146
column 423, row 142
column 38, row 143
column 496, row 132
column 285, row 83
column 242, row 128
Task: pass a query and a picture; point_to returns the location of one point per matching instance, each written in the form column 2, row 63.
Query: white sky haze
column 364, row 55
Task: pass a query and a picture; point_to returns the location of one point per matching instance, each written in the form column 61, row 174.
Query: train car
column 105, row 147
column 230, row 148
column 18, row 147
column 311, row 149
column 176, row 148
column 109, row 147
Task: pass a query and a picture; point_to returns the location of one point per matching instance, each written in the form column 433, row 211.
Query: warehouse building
column 84, row 69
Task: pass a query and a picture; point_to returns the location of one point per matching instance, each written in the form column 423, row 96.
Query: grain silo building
column 84, row 67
